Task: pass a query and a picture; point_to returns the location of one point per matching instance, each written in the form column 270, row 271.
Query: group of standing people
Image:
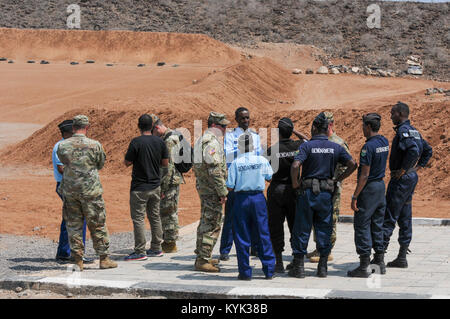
column 305, row 178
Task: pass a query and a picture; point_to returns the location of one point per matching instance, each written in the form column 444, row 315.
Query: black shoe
column 297, row 268
column 400, row 261
column 270, row 277
column 63, row 259
column 378, row 259
column 279, row 267
column 253, row 252
column 290, row 265
column 224, row 257
column 362, row 270
column 322, row 268
column 244, row 278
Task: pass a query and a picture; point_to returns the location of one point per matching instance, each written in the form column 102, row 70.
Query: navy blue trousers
column 63, row 245
column 312, row 210
column 250, row 217
column 226, row 239
column 368, row 221
column 399, row 208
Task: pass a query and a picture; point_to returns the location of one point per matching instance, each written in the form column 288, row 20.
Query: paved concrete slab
column 173, row 275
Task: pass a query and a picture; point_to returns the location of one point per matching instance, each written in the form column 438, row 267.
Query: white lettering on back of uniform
column 322, row 150
column 382, row 149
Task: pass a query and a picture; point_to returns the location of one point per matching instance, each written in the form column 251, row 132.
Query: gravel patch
column 23, row 255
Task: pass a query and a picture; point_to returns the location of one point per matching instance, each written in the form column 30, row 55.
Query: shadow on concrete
column 168, row 266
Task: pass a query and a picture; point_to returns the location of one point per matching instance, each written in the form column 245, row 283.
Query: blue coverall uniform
column 408, row 148
column 247, row 175
column 318, row 158
column 371, row 202
column 231, row 153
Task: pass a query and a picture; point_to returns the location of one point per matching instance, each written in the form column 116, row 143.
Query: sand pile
column 114, row 129
column 114, row 46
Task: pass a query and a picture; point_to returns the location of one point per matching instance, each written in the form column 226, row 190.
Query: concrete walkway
column 173, row 275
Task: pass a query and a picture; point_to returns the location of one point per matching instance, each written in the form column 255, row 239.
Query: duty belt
column 324, row 185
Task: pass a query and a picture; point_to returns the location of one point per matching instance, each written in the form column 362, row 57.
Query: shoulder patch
column 363, row 152
column 405, row 134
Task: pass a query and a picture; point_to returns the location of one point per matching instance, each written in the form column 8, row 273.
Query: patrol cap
column 321, row 120
column 155, row 118
column 65, row 126
column 285, row 122
column 329, row 116
column 371, row 117
column 218, row 118
column 80, row 120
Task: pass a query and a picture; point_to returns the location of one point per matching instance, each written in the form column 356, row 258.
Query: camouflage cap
column 321, row 120
column 80, row 120
column 329, row 116
column 218, row 118
column 155, row 118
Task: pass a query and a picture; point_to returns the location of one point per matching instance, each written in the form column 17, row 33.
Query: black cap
column 65, row 126
column 371, row 117
column 285, row 122
column 321, row 120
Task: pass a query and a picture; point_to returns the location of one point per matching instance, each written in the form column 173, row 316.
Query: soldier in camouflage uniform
column 211, row 174
column 170, row 187
column 314, row 256
column 82, row 192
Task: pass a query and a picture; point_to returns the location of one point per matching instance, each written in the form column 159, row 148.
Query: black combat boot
column 378, row 259
column 400, row 261
column 322, row 268
column 298, row 267
column 362, row 270
column 279, row 268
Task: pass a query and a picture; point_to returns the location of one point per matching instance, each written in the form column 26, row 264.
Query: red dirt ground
column 114, row 97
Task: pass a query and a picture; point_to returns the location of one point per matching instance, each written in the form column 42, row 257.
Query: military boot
column 378, row 259
column 169, row 247
column 214, row 261
column 106, row 262
column 362, row 270
column 298, row 267
column 78, row 261
column 322, row 267
column 202, row 264
column 400, row 261
column 279, row 267
column 315, row 256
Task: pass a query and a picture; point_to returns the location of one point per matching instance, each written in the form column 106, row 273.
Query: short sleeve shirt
column 374, row 153
column 319, row 157
column 231, row 144
column 248, row 173
column 56, row 162
column 146, row 153
column 281, row 156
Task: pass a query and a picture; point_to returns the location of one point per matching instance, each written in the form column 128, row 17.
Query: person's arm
column 362, row 181
column 268, row 171
column 60, row 169
column 101, row 157
column 295, row 174
column 130, row 155
column 213, row 159
column 411, row 149
column 351, row 167
column 127, row 163
column 426, row 155
column 300, row 135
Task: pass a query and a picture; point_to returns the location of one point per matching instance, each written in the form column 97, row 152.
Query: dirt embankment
column 114, row 46
column 114, row 129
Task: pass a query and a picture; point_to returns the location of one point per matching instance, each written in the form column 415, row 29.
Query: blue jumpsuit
column 247, row 175
column 408, row 148
column 318, row 158
column 231, row 153
column 371, row 202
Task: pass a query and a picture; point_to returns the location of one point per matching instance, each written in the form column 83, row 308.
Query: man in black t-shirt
column 280, row 195
column 148, row 154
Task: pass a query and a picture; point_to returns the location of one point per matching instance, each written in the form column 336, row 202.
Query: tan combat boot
column 202, row 264
column 214, row 261
column 106, row 263
column 79, row 262
column 169, row 247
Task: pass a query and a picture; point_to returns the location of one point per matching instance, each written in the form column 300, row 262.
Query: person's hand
column 397, row 174
column 353, row 206
column 223, row 200
column 163, row 196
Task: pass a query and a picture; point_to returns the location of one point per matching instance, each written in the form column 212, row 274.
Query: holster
column 317, row 186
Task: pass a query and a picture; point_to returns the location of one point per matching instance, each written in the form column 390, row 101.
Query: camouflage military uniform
column 340, row 169
column 82, row 191
column 170, row 187
column 211, row 176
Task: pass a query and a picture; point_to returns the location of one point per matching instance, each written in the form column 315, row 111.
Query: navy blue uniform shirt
column 319, row 157
column 408, row 148
column 374, row 154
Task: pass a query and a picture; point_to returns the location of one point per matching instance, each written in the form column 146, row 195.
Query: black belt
column 324, row 185
column 249, row 192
